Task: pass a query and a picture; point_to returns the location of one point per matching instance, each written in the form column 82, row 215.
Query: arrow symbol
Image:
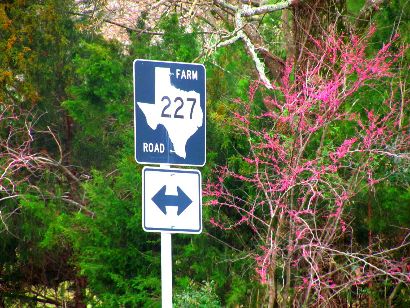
column 181, row 200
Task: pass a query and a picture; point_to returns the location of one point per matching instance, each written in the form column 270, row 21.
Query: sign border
column 167, row 230
column 135, row 114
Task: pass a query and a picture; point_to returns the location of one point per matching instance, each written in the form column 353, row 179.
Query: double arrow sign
column 181, row 200
column 172, row 200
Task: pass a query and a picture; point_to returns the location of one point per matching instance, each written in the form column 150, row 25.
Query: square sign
column 169, row 113
column 172, row 200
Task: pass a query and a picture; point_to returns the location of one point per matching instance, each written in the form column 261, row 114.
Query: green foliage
column 174, row 45
column 354, row 6
column 36, row 57
column 100, row 102
column 120, row 261
column 35, row 69
column 197, row 296
column 389, row 203
column 394, row 18
column 238, row 292
column 228, row 78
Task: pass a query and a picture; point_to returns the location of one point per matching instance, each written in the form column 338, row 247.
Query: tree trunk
column 370, row 240
column 272, row 291
column 313, row 19
column 2, row 304
column 79, row 298
column 69, row 139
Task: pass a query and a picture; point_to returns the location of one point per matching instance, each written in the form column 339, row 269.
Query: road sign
column 172, row 200
column 169, row 113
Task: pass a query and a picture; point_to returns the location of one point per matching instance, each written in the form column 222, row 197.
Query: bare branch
column 367, row 11
column 80, row 206
column 248, row 11
column 141, row 31
column 226, row 5
column 260, row 68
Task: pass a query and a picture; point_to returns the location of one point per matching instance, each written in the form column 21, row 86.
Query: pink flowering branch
column 297, row 181
column 22, row 167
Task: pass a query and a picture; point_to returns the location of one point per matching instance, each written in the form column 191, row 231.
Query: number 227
column 180, row 106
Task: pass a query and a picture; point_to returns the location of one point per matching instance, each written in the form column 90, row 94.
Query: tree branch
column 367, row 11
column 249, row 11
column 82, row 207
column 260, row 68
column 140, row 31
column 226, row 5
column 34, row 299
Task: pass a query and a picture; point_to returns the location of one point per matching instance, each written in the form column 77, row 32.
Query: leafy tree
column 36, row 67
column 98, row 105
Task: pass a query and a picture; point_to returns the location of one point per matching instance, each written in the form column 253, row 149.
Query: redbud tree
column 325, row 134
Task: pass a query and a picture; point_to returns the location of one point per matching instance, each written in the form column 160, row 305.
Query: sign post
column 166, row 262
column 170, row 128
column 166, row 270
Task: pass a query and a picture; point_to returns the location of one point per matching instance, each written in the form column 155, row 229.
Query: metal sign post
column 166, row 263
column 166, row 270
column 169, row 124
